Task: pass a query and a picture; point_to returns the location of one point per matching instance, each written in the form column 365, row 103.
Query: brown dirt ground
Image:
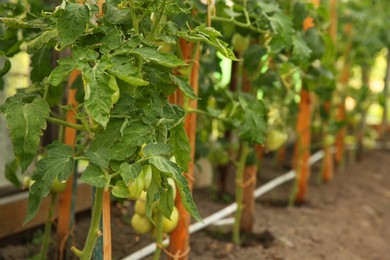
column 346, row 219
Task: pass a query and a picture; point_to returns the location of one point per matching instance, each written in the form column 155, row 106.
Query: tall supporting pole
column 180, row 237
column 302, row 146
column 328, row 162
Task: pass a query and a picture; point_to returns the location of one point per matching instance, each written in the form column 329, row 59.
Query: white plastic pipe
column 147, row 250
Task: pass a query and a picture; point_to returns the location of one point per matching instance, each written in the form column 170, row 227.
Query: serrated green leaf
column 166, row 201
column 156, row 149
column 154, row 192
column 111, row 41
column 121, row 146
column 185, row 194
column 210, row 36
column 300, row 50
column 184, row 86
column 254, row 125
column 116, row 15
column 41, row 65
column 38, row 42
column 94, row 176
column 99, row 89
column 72, row 23
column 120, row 190
column 18, row 23
column 11, row 169
column 150, row 54
column 61, row 72
column 100, row 157
column 164, row 165
column 181, row 147
column 26, row 122
column 128, row 73
column 58, row 164
column 130, row 172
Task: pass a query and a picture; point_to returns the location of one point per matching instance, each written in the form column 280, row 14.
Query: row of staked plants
column 130, row 61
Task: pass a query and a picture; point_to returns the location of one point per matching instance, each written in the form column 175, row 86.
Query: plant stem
column 239, row 192
column 159, row 237
column 239, row 24
column 152, row 35
column 65, row 123
column 47, row 231
column 94, row 231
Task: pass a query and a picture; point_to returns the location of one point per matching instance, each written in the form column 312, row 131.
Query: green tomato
column 140, row 207
column 350, row 139
column 275, row 139
column 147, row 175
column 164, row 47
column 329, row 140
column 141, row 224
column 240, row 43
column 170, row 224
column 135, row 188
column 57, row 186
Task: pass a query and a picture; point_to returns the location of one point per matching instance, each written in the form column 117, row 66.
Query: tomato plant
column 126, row 78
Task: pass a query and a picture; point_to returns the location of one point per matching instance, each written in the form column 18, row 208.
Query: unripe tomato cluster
column 140, row 223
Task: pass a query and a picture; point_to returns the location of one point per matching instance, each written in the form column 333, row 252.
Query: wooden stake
column 65, row 198
column 302, row 147
column 180, row 237
column 328, row 165
column 341, row 114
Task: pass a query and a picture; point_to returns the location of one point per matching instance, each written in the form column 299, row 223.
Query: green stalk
column 47, row 231
column 65, row 123
column 94, row 231
column 239, row 191
column 159, row 238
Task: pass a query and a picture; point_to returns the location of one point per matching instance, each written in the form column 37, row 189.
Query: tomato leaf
column 181, row 147
column 58, row 164
column 156, row 149
column 41, row 65
column 94, row 176
column 37, row 43
column 184, row 86
column 61, row 72
column 154, row 192
column 185, row 193
column 99, row 87
column 11, row 169
column 120, row 190
column 166, row 202
column 100, row 157
column 26, row 122
column 150, row 54
column 172, row 170
column 128, row 73
column 130, row 172
column 164, row 165
column 210, row 36
column 254, row 125
column 72, row 22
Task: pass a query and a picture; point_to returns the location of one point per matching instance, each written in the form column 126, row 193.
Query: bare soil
column 345, row 219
